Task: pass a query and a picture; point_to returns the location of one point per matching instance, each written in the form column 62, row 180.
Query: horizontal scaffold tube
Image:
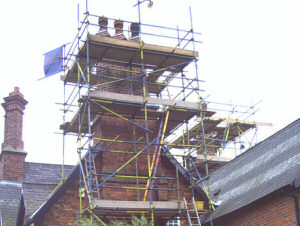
column 118, row 115
column 138, row 188
column 125, row 152
column 137, row 177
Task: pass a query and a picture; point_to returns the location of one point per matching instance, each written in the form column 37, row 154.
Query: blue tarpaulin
column 53, row 62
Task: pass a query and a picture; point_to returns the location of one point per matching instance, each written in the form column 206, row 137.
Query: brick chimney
column 103, row 21
column 12, row 158
column 118, row 24
column 135, row 31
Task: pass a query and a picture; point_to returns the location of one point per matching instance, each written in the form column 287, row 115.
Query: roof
column 267, row 167
column 71, row 173
column 40, row 180
column 10, row 193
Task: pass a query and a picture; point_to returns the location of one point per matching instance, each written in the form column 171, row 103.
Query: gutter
column 295, row 205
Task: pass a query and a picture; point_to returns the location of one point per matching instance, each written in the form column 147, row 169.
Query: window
column 174, row 222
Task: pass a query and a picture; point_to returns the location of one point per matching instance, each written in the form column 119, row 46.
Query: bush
column 134, row 222
column 140, row 222
column 85, row 222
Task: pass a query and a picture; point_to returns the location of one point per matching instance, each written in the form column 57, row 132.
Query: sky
column 250, row 53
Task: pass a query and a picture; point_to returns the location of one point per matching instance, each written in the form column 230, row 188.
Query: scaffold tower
column 147, row 139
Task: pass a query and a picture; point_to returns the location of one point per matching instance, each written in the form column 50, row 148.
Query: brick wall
column 274, row 209
column 12, row 166
column 63, row 211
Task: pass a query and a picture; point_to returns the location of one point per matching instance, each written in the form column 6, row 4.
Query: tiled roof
column 40, row 180
column 10, row 193
column 270, row 165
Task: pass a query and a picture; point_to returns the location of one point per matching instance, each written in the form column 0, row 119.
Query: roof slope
column 40, row 180
column 10, row 193
column 270, row 165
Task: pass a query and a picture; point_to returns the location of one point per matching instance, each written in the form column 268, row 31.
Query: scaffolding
column 112, row 80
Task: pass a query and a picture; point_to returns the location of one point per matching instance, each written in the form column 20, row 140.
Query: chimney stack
column 118, row 24
column 103, row 21
column 14, row 106
column 12, row 158
column 135, row 31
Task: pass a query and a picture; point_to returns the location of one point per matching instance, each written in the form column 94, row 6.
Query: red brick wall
column 274, row 209
column 12, row 166
column 110, row 127
column 63, row 211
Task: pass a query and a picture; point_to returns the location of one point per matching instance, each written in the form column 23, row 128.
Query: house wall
column 63, row 211
column 275, row 209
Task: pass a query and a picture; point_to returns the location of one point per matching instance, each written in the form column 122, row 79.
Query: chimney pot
column 118, row 24
column 102, row 21
column 135, row 30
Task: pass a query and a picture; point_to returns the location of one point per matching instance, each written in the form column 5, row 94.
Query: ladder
column 94, row 180
column 191, row 212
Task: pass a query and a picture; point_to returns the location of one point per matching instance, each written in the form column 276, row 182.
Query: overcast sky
column 250, row 52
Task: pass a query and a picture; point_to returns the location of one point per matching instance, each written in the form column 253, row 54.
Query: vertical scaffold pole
column 201, row 112
column 145, row 109
column 64, row 118
column 88, row 102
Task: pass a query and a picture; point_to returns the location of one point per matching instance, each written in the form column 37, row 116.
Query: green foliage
column 86, row 222
column 119, row 223
column 134, row 222
column 140, row 222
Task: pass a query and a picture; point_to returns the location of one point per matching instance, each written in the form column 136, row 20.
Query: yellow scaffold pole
column 159, row 150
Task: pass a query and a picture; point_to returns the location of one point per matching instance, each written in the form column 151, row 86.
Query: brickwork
column 63, row 211
column 14, row 105
column 12, row 159
column 12, row 166
column 109, row 73
column 275, row 209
